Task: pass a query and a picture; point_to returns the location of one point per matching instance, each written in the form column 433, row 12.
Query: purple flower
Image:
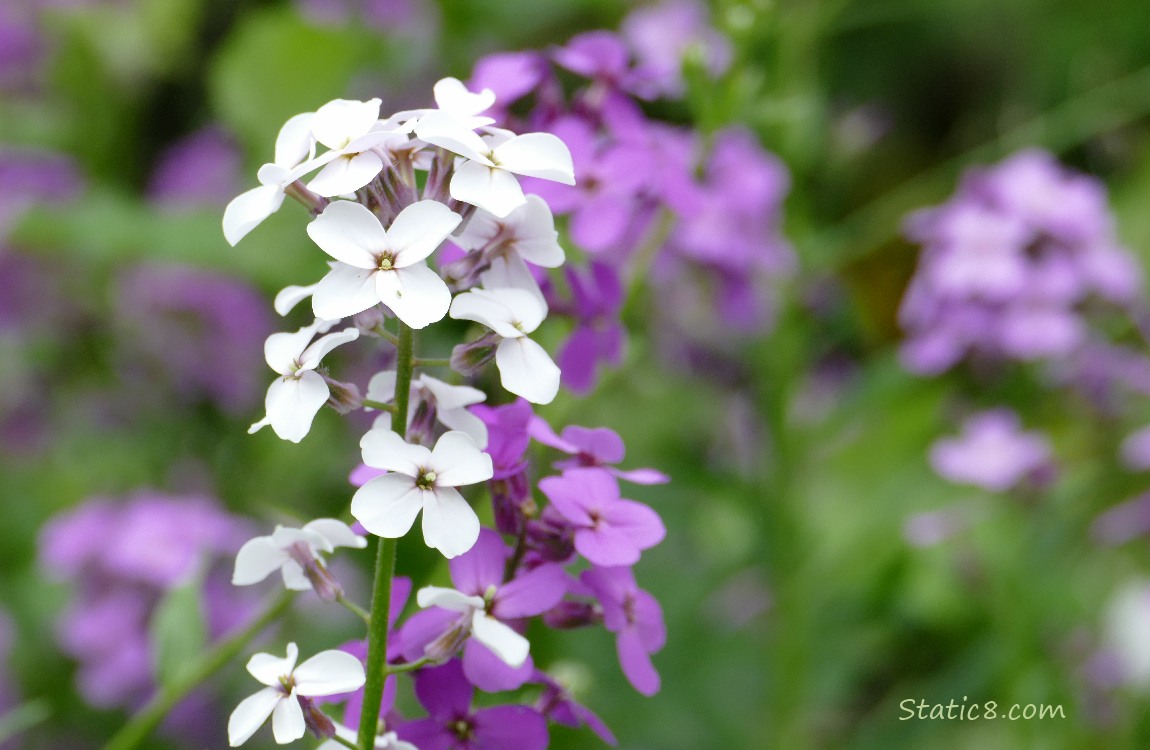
column 599, row 447
column 452, row 723
column 609, row 530
column 480, row 573
column 558, row 706
column 200, row 171
column 597, row 302
column 636, row 619
column 992, row 452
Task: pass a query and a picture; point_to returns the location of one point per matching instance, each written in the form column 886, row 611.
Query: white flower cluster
column 385, row 194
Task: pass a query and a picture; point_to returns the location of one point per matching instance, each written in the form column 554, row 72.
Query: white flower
column 487, row 178
column 449, row 402
column 422, row 479
column 378, row 265
column 294, row 147
column 296, row 553
column 509, row 646
column 351, row 130
column 524, row 367
column 326, row 673
column 294, row 399
column 385, row 741
column 526, row 235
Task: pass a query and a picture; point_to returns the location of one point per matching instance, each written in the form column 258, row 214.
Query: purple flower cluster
column 1008, row 264
column 586, row 526
column 649, row 198
column 122, row 557
column 199, row 331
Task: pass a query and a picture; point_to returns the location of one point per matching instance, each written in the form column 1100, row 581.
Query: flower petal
column 350, row 233
column 416, row 294
column 250, row 715
column 387, row 506
column 345, row 291
column 384, row 449
column 490, row 188
column 287, row 720
column 329, row 673
column 247, row 211
column 457, row 461
column 346, row 174
column 541, row 155
column 257, row 560
column 419, row 229
column 449, row 523
column 527, row 370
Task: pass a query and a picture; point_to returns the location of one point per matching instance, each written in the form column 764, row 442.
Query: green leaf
column 178, row 633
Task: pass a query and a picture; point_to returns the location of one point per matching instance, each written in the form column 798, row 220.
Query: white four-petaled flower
column 422, row 479
column 524, row 366
column 382, row 265
column 291, row 551
column 326, row 673
column 296, row 397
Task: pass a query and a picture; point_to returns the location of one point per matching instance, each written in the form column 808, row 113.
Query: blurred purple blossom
column 992, row 452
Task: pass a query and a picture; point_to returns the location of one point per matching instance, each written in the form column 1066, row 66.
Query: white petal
column 341, row 121
column 292, row 404
column 291, row 296
column 329, row 673
column 346, row 174
column 269, row 669
column 311, row 356
column 419, row 229
column 381, row 387
column 527, row 370
column 449, row 523
column 536, row 240
column 464, row 421
column 250, row 715
column 384, row 449
column 287, row 720
column 350, row 233
column 488, row 309
column 416, row 294
column 449, row 396
column 492, row 189
column 387, row 506
column 256, row 560
column 247, row 210
column 443, row 130
column 540, row 155
column 445, row 598
column 344, row 292
column 281, row 350
column 504, row 642
column 457, row 461
column 336, row 532
column 295, row 143
column 452, row 97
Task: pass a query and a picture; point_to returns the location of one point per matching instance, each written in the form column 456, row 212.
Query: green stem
column 385, row 563
column 142, row 724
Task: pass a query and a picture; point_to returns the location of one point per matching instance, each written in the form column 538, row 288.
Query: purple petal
column 636, row 663
column 481, row 566
column 491, row 674
column 510, row 728
column 444, row 691
column 531, row 593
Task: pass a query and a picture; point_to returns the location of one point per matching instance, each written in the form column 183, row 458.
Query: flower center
column 426, row 480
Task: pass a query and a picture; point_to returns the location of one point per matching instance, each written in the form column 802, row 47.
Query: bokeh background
column 819, row 567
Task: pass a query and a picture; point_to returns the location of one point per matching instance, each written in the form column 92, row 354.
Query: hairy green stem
column 385, row 563
column 143, row 723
